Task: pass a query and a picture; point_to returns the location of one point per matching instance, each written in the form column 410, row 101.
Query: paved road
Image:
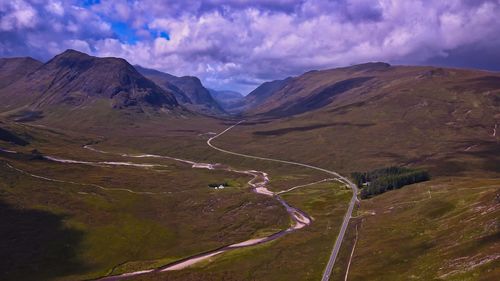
column 354, row 199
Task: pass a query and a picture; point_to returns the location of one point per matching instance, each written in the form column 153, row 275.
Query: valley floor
column 77, row 221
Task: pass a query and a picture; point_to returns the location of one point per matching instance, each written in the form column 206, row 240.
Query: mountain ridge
column 314, row 90
column 15, row 68
column 231, row 101
column 188, row 89
column 74, row 78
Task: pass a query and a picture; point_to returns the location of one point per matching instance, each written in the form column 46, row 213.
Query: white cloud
column 55, row 7
column 18, row 15
column 239, row 42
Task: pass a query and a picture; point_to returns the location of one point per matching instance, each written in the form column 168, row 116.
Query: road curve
column 301, row 219
column 354, row 199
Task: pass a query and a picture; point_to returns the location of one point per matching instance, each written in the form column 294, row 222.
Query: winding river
column 258, row 184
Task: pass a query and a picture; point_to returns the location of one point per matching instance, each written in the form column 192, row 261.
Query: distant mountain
column 315, row 90
column 229, row 100
column 188, row 90
column 13, row 69
column 263, row 92
column 225, row 94
column 74, row 79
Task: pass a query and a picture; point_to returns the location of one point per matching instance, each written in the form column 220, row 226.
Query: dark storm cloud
column 483, row 56
column 240, row 43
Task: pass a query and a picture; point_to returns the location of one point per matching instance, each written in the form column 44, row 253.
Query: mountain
column 229, row 100
column 74, row 79
column 13, row 69
column 188, row 90
column 259, row 96
column 308, row 91
column 374, row 115
column 344, row 87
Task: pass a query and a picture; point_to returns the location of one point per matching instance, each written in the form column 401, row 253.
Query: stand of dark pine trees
column 381, row 180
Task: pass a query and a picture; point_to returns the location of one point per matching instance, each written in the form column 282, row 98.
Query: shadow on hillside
column 320, row 98
column 35, row 245
column 489, row 152
column 8, row 136
column 26, row 116
column 283, row 131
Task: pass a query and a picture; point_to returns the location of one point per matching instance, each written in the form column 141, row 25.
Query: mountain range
column 376, row 93
column 188, row 90
column 74, row 80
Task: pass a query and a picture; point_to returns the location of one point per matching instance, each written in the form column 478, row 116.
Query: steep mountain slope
column 229, row 100
column 315, row 89
column 260, row 95
column 188, row 90
column 75, row 79
column 403, row 91
column 13, row 69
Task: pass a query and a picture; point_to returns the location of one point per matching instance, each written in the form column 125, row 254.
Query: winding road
column 354, row 199
column 258, row 183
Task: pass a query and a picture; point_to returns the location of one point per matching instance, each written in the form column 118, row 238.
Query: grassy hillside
column 446, row 229
column 373, row 115
column 444, row 120
column 298, row 256
column 13, row 69
column 367, row 82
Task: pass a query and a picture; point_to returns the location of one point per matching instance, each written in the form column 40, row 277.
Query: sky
column 238, row 44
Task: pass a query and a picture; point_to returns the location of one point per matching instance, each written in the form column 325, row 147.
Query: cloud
column 237, row 44
column 18, row 15
column 55, row 7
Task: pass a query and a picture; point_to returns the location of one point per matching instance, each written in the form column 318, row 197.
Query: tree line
column 381, row 180
column 225, row 184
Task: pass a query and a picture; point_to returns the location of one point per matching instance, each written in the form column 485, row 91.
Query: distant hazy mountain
column 13, row 69
column 188, row 90
column 75, row 79
column 229, row 100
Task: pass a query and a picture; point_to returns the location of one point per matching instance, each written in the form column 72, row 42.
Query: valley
column 54, row 176
column 117, row 176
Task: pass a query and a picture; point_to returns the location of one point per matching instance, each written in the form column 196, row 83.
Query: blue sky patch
column 165, row 35
column 88, row 3
column 124, row 32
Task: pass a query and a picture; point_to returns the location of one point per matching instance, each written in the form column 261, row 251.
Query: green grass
column 118, row 227
column 120, row 231
column 117, row 230
column 419, row 238
column 447, row 235
column 301, row 255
